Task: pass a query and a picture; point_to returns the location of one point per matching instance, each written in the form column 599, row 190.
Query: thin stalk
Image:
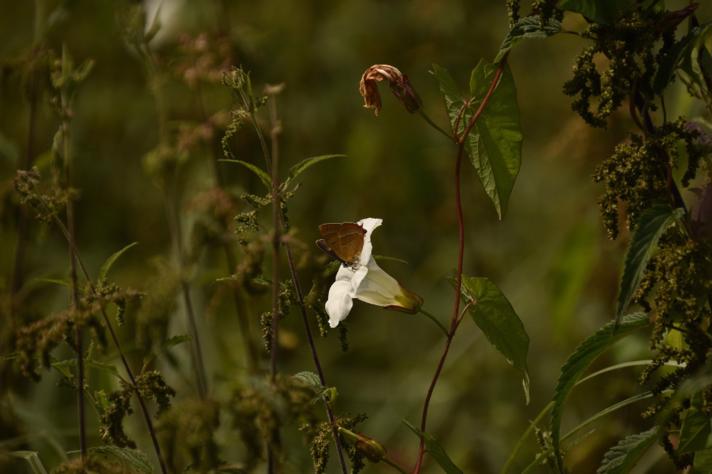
column 197, row 352
column 455, row 319
column 434, row 320
column 430, row 122
column 117, row 344
column 276, row 244
column 69, row 209
column 532, row 424
column 231, row 260
column 315, row 356
column 174, row 221
column 392, row 464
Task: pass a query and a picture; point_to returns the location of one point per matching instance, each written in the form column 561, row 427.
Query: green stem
column 430, row 122
column 434, row 320
column 525, row 435
column 394, row 465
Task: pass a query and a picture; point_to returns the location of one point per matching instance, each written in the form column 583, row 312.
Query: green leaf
column 103, row 366
column 175, row 340
column 621, row 458
column 106, row 266
column 600, row 11
column 307, row 163
column 128, row 457
column 607, row 411
column 579, row 361
column 309, row 378
column 526, row 28
column 495, row 143
column 436, row 451
column 694, row 432
column 454, row 100
column 32, row 459
column 495, row 316
column 50, row 281
column 703, row 462
column 651, row 225
column 259, row 172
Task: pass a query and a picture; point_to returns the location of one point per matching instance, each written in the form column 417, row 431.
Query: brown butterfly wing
column 345, row 240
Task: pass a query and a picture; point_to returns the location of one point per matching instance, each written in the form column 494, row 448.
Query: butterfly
column 343, row 241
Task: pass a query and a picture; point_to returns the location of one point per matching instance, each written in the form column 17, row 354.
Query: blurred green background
column 549, row 255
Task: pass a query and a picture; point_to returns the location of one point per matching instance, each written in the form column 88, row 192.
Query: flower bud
column 399, row 83
column 369, row 447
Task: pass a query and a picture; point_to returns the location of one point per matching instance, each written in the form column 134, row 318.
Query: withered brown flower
column 399, row 83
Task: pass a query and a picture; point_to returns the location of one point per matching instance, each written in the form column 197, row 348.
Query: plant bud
column 399, row 83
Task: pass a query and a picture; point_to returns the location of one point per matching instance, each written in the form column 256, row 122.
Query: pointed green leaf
column 651, row 225
column 51, row 281
column 579, row 361
column 621, row 458
column 307, row 163
column 175, row 340
column 454, row 100
column 495, row 143
column 132, row 458
column 607, row 411
column 32, row 459
column 259, row 172
column 527, row 28
column 694, row 432
column 436, row 451
column 495, row 316
column 106, row 266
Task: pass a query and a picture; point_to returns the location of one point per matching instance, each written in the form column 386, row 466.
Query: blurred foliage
column 147, row 125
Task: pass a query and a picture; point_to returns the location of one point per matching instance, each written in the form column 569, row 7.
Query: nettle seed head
column 399, row 83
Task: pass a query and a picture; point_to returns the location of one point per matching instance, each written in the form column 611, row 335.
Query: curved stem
column 434, row 320
column 532, row 424
column 456, row 309
column 430, row 122
column 455, row 319
column 391, row 463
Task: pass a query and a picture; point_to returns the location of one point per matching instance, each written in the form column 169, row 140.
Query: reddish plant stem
column 315, row 356
column 455, row 319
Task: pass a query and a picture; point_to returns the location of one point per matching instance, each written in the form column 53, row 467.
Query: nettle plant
column 638, row 50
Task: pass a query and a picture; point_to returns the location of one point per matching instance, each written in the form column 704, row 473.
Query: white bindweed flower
column 368, row 282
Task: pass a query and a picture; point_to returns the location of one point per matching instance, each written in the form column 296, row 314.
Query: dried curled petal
column 400, row 86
